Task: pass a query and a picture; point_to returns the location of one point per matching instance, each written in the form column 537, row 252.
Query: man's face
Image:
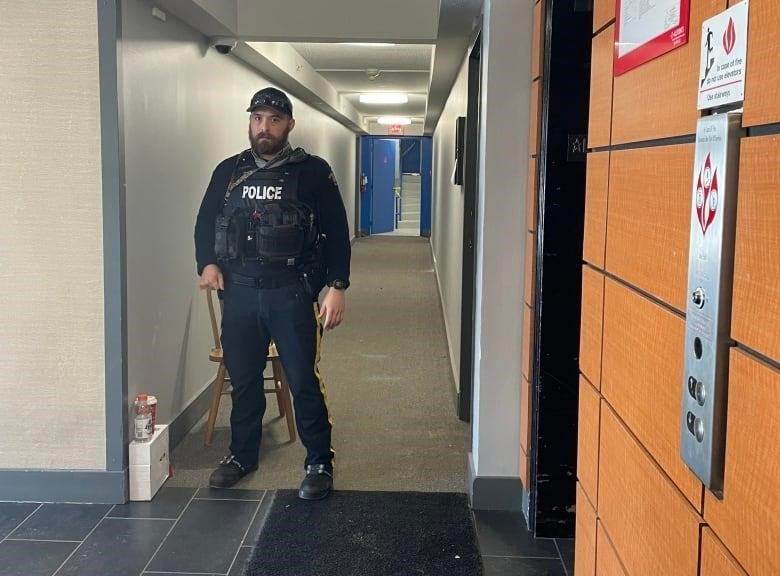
column 268, row 130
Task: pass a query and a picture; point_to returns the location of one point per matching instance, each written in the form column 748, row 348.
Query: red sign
column 707, row 195
column 729, row 37
column 396, row 130
column 644, row 31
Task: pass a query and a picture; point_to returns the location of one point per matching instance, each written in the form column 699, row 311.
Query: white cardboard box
column 149, row 465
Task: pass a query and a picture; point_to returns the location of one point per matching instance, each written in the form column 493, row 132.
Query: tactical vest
column 263, row 223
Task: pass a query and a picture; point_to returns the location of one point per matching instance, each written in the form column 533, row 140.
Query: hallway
column 390, row 389
column 388, row 386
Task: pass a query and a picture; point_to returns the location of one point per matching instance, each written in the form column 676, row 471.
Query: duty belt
column 266, row 282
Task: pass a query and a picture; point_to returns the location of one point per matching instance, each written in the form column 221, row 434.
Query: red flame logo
column 729, row 37
column 707, row 195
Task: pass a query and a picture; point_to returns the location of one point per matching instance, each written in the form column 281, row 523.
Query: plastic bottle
column 143, row 419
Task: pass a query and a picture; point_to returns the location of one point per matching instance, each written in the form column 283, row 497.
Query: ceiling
column 301, row 45
column 353, row 70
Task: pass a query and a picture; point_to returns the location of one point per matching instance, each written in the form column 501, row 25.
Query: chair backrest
column 213, row 316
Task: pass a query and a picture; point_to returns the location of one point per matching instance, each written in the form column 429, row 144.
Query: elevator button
column 690, row 421
column 698, row 297
column 692, row 383
column 701, row 393
column 698, row 429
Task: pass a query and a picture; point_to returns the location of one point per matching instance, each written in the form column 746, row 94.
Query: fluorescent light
column 394, row 120
column 384, row 98
column 367, row 43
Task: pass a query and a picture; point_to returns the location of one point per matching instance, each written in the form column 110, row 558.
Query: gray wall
column 184, row 111
column 447, row 216
column 503, row 165
column 504, row 128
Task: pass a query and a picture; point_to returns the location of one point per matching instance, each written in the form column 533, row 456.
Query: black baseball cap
column 271, row 98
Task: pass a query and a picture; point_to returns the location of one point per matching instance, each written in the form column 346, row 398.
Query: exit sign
column 396, row 130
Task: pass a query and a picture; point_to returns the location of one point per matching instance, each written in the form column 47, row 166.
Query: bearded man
column 270, row 234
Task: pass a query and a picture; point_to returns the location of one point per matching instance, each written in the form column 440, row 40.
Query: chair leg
column 276, row 368
column 284, row 390
column 216, row 395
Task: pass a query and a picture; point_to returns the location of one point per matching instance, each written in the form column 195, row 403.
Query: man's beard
column 264, row 144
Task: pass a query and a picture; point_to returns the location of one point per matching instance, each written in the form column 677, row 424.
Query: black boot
column 229, row 472
column 318, row 482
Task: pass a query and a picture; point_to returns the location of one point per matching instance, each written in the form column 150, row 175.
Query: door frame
column 366, row 198
column 470, row 217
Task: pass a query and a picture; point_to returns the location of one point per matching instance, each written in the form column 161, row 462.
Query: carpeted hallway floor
column 389, row 387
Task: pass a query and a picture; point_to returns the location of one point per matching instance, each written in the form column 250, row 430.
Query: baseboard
column 191, row 415
column 81, row 486
column 493, row 492
column 453, row 374
column 90, row 486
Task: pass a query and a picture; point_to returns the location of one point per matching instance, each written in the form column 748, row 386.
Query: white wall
column 52, row 369
column 447, row 216
column 184, row 111
column 506, row 64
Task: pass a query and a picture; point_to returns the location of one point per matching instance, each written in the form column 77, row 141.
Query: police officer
column 271, row 232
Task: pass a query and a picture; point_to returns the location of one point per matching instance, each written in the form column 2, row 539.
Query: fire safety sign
column 723, row 58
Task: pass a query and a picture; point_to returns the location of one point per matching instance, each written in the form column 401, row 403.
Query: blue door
column 383, row 179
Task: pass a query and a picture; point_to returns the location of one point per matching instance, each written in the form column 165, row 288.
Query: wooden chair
column 221, row 383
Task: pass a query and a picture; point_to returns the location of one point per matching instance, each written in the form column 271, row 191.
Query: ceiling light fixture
column 394, row 120
column 384, row 98
column 370, row 44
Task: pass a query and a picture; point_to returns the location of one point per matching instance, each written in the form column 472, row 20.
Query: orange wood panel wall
column 584, row 536
column 525, row 416
column 530, row 268
column 607, row 561
column 536, row 48
column 599, row 127
column 653, row 535
column 762, row 80
column 642, row 374
column 747, row 520
column 591, row 324
column 603, row 13
column 756, row 308
column 596, row 186
column 649, row 507
column 532, row 194
column 533, row 136
column 715, row 559
column 648, row 222
column 530, row 246
column 588, row 425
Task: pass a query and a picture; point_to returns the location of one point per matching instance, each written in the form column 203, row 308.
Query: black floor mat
column 367, row 534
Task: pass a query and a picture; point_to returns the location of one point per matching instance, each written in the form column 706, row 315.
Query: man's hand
column 332, row 308
column 211, row 278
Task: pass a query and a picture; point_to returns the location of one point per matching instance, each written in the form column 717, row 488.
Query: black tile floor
column 188, row 531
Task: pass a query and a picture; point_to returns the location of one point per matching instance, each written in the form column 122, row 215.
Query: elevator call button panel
column 708, row 309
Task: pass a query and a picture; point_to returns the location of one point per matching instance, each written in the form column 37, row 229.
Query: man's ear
column 292, row 124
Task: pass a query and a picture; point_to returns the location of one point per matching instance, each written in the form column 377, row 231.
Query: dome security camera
column 224, row 45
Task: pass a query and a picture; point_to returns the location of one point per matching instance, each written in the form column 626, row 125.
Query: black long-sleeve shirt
column 317, row 187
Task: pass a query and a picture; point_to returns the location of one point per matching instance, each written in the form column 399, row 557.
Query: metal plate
column 708, row 312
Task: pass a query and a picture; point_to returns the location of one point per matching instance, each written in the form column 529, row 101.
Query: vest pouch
column 281, row 231
column 275, row 243
column 221, row 237
column 236, row 237
column 230, row 233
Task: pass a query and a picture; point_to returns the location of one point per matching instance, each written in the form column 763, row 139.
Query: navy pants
column 252, row 317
